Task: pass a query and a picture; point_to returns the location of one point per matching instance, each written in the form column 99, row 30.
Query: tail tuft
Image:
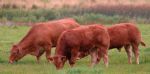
column 142, row 43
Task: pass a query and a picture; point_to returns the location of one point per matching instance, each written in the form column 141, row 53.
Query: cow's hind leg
column 136, row 52
column 129, row 53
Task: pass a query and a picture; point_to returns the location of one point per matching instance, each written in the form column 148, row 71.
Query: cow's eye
column 14, row 53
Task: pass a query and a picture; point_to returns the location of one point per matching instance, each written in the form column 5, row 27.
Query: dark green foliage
column 105, row 14
column 19, row 15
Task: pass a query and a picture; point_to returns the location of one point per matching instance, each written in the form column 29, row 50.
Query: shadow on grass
column 24, row 62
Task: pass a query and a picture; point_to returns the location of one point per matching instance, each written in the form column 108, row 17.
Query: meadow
column 118, row 64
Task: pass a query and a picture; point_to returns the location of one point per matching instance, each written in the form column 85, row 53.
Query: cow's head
column 15, row 54
column 58, row 61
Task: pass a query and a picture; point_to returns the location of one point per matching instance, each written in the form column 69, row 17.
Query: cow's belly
column 117, row 45
column 85, row 48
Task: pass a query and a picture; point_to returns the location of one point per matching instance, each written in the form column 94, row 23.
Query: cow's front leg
column 39, row 55
column 71, row 62
column 94, row 57
column 74, row 56
column 48, row 52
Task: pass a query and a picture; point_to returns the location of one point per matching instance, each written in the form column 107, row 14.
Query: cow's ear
column 63, row 58
column 15, row 51
column 18, row 51
column 14, row 45
column 51, row 59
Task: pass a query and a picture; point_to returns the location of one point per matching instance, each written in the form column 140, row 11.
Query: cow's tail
column 142, row 43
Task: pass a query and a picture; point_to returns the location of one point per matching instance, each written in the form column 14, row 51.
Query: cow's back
column 58, row 27
column 49, row 32
column 85, row 37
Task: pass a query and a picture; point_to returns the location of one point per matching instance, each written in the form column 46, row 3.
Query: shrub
column 14, row 6
column 96, row 14
column 34, row 7
column 27, row 16
column 99, row 18
column 5, row 6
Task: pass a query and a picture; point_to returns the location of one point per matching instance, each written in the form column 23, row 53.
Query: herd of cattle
column 73, row 42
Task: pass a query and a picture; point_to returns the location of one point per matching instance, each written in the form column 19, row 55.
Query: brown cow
column 81, row 39
column 124, row 35
column 41, row 35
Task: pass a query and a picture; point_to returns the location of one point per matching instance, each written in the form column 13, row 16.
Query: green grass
column 117, row 60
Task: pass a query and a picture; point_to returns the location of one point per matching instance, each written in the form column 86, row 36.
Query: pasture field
column 117, row 60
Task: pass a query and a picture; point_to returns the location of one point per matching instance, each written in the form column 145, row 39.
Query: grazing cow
column 81, row 39
column 124, row 35
column 41, row 35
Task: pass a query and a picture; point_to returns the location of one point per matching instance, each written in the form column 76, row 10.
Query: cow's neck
column 60, row 50
column 61, row 47
column 62, row 53
column 25, row 44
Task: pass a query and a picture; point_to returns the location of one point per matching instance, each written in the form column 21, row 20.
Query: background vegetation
column 84, row 11
column 105, row 14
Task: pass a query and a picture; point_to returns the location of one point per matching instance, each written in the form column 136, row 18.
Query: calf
column 41, row 35
column 124, row 35
column 81, row 39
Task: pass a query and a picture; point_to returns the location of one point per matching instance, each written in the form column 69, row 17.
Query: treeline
column 105, row 14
